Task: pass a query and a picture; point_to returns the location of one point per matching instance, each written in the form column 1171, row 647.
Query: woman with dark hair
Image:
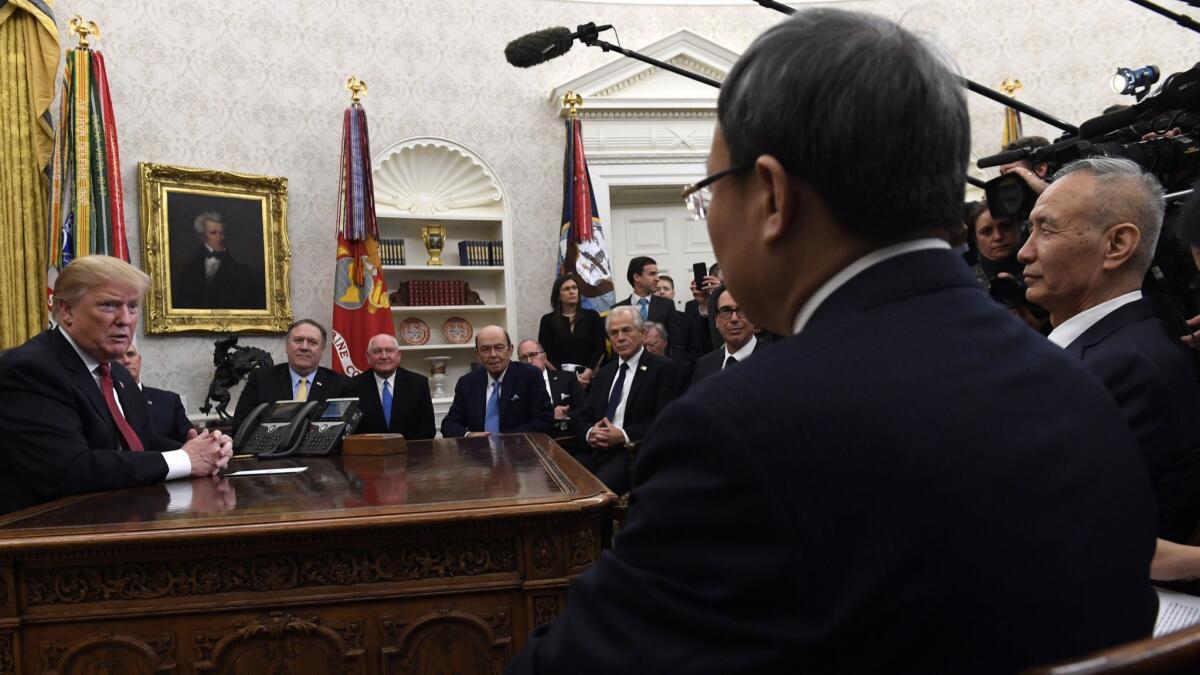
column 572, row 334
column 996, row 241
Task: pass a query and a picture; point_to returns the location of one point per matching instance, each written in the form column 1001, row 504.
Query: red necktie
column 106, row 387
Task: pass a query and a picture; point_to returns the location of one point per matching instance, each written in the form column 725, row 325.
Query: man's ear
column 1041, row 170
column 778, row 202
column 1121, row 241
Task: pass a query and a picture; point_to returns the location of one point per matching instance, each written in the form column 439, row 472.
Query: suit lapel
column 283, row 380
column 368, row 395
column 83, row 380
column 639, row 377
column 1138, row 310
column 601, row 386
column 507, row 385
column 318, row 387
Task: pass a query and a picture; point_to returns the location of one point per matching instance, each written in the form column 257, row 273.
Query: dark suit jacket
column 585, row 346
column 566, row 389
column 267, row 385
column 412, row 406
column 58, row 437
column 1151, row 378
column 524, row 404
column 167, row 415
column 234, row 286
column 701, row 326
column 655, row 384
column 912, row 441
column 711, row 363
column 663, row 311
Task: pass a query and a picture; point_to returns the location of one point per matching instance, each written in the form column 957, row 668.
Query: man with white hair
column 212, row 278
column 624, row 400
column 393, row 400
column 1093, row 233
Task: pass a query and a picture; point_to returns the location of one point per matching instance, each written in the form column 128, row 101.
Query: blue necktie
column 491, row 418
column 387, row 405
column 644, row 305
column 614, row 399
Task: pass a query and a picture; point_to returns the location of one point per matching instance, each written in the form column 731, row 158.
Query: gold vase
column 434, row 237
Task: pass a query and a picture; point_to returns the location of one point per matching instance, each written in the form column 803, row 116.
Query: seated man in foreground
column 393, row 399
column 72, row 420
column 913, row 480
column 502, row 397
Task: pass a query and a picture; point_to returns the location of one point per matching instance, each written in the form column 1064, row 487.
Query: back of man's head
column 860, row 109
column 1123, row 192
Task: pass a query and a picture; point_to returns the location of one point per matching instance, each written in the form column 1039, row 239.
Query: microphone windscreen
column 530, row 50
column 1098, row 126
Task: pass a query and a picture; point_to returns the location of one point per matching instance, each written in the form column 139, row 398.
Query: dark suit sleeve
column 46, row 444
column 454, row 424
column 181, row 425
column 666, row 600
column 424, row 410
column 666, row 388
column 249, row 397
column 541, row 413
column 1144, row 396
column 575, row 391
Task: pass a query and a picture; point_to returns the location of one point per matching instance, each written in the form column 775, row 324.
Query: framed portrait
column 215, row 246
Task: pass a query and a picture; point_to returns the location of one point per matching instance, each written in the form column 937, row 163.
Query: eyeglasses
column 492, row 349
column 530, row 356
column 698, row 196
column 728, row 312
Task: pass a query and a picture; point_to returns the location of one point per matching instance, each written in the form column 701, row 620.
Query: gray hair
column 638, row 321
column 654, row 325
column 1124, row 193
column 863, row 111
column 204, row 218
column 368, row 349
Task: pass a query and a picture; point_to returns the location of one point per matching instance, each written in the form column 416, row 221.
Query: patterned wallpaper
column 258, row 87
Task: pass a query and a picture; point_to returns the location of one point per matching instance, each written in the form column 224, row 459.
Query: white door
column 663, row 232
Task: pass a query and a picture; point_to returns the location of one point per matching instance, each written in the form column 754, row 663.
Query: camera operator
column 1093, row 236
column 1035, row 175
column 995, row 242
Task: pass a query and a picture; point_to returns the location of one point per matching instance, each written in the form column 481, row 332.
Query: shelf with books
column 443, row 268
column 449, row 309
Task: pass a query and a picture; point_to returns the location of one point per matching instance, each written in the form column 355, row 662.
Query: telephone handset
column 275, row 429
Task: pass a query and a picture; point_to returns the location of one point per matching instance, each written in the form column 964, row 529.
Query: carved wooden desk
column 440, row 560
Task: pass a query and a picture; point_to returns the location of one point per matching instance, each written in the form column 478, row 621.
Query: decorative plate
column 457, row 330
column 414, row 331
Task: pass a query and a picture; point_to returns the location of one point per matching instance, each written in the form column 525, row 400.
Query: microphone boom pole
column 592, row 41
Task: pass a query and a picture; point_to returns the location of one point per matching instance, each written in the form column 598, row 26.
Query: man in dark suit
column 623, row 401
column 300, row 379
column 696, row 312
column 393, row 399
column 165, row 408
column 72, row 420
column 1093, row 236
column 563, row 387
column 642, row 274
column 502, row 397
column 212, row 278
column 737, row 332
column 826, row 506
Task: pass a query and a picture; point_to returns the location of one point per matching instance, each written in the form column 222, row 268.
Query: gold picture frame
column 216, row 248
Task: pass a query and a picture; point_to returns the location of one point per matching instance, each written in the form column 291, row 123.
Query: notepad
column 1176, row 611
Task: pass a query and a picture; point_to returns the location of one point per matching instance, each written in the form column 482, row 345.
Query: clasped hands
column 604, row 434
column 209, row 451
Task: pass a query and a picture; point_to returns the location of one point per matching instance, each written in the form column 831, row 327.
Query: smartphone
column 699, row 271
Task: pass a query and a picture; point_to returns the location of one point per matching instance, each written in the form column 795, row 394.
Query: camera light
column 1134, row 80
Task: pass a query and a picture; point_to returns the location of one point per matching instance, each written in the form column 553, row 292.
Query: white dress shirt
column 1068, row 331
column 211, row 264
column 178, row 463
column 549, row 391
column 618, row 419
column 858, row 267
column 741, row 354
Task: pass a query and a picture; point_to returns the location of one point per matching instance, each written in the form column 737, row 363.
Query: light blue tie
column 491, row 418
column 644, row 305
column 387, row 404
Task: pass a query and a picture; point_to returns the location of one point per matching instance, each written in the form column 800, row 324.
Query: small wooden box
column 374, row 444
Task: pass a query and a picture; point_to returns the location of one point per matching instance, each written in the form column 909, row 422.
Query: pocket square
column 515, row 397
column 643, row 369
column 564, row 395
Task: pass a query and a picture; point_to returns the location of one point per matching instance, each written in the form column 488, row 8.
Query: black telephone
column 275, row 429
column 338, row 418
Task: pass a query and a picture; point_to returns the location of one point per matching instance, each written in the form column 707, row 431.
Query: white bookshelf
column 434, row 181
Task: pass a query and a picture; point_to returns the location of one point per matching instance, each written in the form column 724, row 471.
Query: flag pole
column 82, row 29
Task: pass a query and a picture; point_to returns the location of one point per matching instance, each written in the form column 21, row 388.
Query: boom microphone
column 540, row 47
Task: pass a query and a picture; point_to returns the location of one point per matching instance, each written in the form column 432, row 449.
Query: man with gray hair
column 393, row 400
column 827, row 505
column 1093, row 233
column 212, row 278
column 625, row 398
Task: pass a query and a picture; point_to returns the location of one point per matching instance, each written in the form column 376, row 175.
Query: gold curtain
column 29, row 54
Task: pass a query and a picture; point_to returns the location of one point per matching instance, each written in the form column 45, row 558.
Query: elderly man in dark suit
column 300, row 379
column 1093, row 235
column 826, row 506
column 393, row 399
column 625, row 398
column 502, row 397
column 167, row 416
column 562, row 386
column 72, row 420
column 737, row 332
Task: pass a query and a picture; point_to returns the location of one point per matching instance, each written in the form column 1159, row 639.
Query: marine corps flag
column 360, row 309
column 581, row 244
column 87, row 212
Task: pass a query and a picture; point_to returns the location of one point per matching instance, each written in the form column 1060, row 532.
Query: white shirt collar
column 858, row 267
column 1068, row 331
column 499, row 380
column 634, row 298
column 743, row 353
column 88, row 362
column 390, row 379
column 635, row 359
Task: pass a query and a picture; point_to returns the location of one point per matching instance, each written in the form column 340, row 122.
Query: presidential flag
column 581, row 246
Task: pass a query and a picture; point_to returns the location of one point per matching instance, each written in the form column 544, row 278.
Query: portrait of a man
column 216, row 252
